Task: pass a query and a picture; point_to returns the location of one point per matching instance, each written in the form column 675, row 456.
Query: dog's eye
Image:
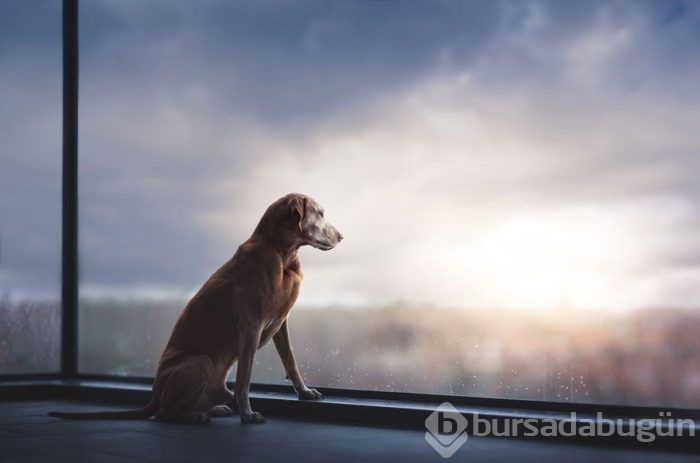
column 320, row 213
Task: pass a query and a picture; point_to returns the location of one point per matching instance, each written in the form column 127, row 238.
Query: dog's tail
column 138, row 414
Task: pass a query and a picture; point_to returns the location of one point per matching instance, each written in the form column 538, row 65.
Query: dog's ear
column 297, row 206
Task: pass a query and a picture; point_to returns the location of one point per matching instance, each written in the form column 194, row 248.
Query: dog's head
column 307, row 217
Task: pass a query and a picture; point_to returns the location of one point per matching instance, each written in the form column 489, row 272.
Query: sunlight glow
column 547, row 263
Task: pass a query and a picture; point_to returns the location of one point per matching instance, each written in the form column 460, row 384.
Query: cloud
column 539, row 154
column 30, row 149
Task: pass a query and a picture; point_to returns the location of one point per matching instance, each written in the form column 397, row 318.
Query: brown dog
column 242, row 305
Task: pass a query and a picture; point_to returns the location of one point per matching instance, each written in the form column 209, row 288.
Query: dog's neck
column 288, row 252
column 285, row 244
column 291, row 259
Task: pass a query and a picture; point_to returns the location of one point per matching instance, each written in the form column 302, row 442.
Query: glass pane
column 30, row 186
column 516, row 183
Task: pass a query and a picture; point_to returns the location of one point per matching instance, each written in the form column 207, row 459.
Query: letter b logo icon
column 446, row 425
column 446, row 430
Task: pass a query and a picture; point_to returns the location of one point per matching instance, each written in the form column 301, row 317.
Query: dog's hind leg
column 226, row 402
column 218, row 397
column 182, row 397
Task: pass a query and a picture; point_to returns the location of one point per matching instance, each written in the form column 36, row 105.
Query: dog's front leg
column 247, row 346
column 284, row 349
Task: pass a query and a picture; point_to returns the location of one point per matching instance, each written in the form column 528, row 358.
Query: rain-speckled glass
column 30, row 186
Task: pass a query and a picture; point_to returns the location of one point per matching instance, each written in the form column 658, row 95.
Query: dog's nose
column 340, row 237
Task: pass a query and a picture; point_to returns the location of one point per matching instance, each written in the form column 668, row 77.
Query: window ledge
column 389, row 411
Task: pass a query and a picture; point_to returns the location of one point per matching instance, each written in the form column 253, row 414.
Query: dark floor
column 27, row 434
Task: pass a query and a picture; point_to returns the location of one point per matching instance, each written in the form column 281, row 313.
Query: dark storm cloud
column 283, row 62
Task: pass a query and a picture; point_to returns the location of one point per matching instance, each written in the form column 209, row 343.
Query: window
column 30, row 186
column 516, row 184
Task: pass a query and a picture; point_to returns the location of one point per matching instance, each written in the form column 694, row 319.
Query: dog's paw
column 220, row 411
column 252, row 418
column 309, row 394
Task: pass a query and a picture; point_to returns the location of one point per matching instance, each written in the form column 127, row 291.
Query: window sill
column 374, row 409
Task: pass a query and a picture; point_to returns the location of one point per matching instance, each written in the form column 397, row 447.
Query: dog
column 241, row 306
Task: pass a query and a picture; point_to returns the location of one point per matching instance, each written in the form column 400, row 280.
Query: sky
column 537, row 155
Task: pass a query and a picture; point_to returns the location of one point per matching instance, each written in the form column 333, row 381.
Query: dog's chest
column 282, row 304
column 286, row 290
column 291, row 282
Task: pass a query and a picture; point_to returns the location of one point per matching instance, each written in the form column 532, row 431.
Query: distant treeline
column 647, row 357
